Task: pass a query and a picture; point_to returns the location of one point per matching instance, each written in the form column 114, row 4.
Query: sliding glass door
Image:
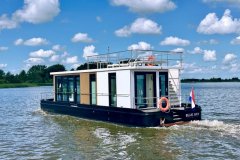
column 163, row 84
column 145, row 89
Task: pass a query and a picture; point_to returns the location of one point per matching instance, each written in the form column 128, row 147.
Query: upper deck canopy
column 134, row 58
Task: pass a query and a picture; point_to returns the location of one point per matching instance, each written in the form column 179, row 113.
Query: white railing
column 137, row 102
column 164, row 59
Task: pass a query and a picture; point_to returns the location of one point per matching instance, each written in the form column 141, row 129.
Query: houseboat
column 132, row 87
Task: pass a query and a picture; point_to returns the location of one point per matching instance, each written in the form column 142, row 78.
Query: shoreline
column 23, row 85
column 211, row 82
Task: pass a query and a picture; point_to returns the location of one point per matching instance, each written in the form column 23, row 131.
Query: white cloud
column 229, row 58
column 123, row 32
column 99, row 19
column 175, row 41
column 211, row 42
column 197, row 50
column 35, row 42
column 140, row 46
column 211, row 24
column 31, row 42
column 3, row 66
column 33, row 11
column 139, row 26
column 34, row 61
column 235, row 3
column 42, row 53
column 235, row 41
column 3, row 48
column 209, row 55
column 71, row 60
column 19, row 42
column 65, row 54
column 82, row 37
column 146, row 6
column 192, row 68
column 58, row 48
column 230, row 63
column 74, row 66
column 54, row 58
column 178, row 50
column 234, row 67
column 89, row 51
column 6, row 23
column 37, row 11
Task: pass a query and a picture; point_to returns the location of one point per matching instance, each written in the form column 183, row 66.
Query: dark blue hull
column 132, row 117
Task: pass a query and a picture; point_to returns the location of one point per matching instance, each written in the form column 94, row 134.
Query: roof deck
column 137, row 58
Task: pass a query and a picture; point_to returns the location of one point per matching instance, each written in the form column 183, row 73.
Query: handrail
column 147, row 101
column 136, row 57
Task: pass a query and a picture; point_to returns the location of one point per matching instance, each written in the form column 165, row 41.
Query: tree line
column 36, row 74
column 39, row 73
column 193, row 80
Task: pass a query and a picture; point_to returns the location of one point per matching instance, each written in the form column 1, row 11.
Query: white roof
column 143, row 68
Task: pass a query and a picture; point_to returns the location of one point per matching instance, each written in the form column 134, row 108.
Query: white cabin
column 129, row 79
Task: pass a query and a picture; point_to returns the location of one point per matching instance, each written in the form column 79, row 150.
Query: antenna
column 108, row 49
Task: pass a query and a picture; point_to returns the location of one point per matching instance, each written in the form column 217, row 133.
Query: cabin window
column 67, row 89
column 140, row 90
column 145, row 89
column 78, row 89
column 112, row 89
column 71, row 89
column 93, row 96
column 163, row 84
column 58, row 92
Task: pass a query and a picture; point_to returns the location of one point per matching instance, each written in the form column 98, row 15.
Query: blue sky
column 65, row 31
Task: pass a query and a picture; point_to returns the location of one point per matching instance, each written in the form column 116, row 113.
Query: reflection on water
column 29, row 133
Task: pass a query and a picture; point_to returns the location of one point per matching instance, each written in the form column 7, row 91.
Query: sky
column 48, row 32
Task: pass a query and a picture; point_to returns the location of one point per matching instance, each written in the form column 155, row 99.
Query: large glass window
column 112, row 89
column 68, row 89
column 65, row 89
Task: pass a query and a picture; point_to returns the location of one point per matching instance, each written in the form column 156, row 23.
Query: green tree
column 10, row 78
column 2, row 76
column 37, row 74
column 22, row 77
column 53, row 68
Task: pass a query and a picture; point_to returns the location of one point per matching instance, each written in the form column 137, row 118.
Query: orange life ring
column 151, row 58
column 160, row 104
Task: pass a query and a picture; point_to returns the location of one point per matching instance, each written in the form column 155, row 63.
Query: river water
column 28, row 133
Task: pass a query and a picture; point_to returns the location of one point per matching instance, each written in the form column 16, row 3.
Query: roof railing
column 133, row 58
